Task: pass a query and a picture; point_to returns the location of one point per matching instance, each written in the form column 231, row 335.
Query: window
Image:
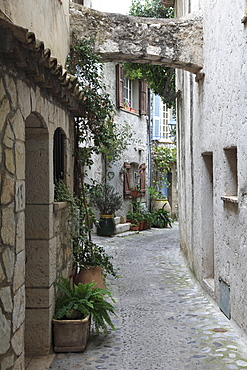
column 131, row 93
column 58, row 155
column 161, row 118
column 134, row 175
column 231, row 175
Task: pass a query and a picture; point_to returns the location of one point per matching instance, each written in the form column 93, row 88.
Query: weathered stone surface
column 8, row 189
column 20, row 232
column 38, row 327
column 7, row 363
column 173, row 42
column 20, row 160
column 5, row 294
column 8, row 225
column 8, row 137
column 11, row 89
column 9, row 262
column 2, row 276
column 20, row 196
column 39, row 298
column 19, row 309
column 17, row 341
column 5, row 327
column 40, row 263
column 4, row 110
column 2, row 90
column 19, row 274
column 9, row 160
column 38, row 221
column 18, row 126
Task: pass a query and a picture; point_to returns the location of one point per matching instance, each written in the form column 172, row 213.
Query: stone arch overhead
column 176, row 42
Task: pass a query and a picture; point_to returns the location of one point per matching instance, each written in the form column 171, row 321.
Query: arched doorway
column 38, row 236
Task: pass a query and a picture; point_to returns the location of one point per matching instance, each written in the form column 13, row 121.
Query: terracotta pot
column 71, row 335
column 92, row 273
column 135, row 193
column 134, row 227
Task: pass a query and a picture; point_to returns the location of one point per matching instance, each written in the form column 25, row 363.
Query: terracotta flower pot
column 93, row 273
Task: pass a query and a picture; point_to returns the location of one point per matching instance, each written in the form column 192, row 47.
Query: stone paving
column 165, row 321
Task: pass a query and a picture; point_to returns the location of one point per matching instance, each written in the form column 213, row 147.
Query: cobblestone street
column 164, row 319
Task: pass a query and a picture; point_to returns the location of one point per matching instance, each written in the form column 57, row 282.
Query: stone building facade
column 38, row 102
column 212, row 156
column 211, row 129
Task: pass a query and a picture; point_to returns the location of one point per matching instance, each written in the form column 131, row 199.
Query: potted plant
column 91, row 263
column 75, row 307
column 108, row 201
column 162, row 218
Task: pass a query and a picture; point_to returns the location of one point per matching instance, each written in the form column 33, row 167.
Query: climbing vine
column 97, row 132
column 163, row 157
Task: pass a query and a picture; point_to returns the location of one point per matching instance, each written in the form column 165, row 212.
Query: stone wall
column 172, row 42
column 28, row 258
column 212, row 157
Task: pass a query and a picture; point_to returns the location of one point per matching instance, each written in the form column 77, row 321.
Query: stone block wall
column 33, row 251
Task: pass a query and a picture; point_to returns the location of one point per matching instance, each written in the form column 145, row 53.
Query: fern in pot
column 75, row 306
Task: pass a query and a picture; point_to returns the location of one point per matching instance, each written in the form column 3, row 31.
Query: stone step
column 121, row 228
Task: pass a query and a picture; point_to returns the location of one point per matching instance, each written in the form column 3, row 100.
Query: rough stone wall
column 28, row 265
column 47, row 19
column 171, row 42
column 212, row 156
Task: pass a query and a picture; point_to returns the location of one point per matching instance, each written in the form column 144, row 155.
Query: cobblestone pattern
column 165, row 320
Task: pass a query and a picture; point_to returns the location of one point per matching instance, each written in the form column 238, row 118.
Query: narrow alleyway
column 165, row 321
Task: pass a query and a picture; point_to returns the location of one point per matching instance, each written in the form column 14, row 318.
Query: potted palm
column 75, row 306
column 108, row 201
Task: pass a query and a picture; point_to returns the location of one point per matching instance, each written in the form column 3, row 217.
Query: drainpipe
column 149, row 144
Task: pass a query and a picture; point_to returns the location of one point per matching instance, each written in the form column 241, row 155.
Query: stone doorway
column 38, row 230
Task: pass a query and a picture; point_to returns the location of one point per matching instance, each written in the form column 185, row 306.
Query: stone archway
column 176, row 43
column 38, row 234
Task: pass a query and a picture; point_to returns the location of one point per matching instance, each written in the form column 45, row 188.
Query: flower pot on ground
column 108, row 201
column 134, row 227
column 162, row 218
column 71, row 335
column 162, row 203
column 106, row 225
column 74, row 308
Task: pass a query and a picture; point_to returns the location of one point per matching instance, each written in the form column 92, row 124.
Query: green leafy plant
column 105, row 198
column 85, row 252
column 162, row 218
column 82, row 300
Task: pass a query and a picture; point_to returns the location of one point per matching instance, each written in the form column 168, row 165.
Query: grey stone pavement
column 164, row 319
